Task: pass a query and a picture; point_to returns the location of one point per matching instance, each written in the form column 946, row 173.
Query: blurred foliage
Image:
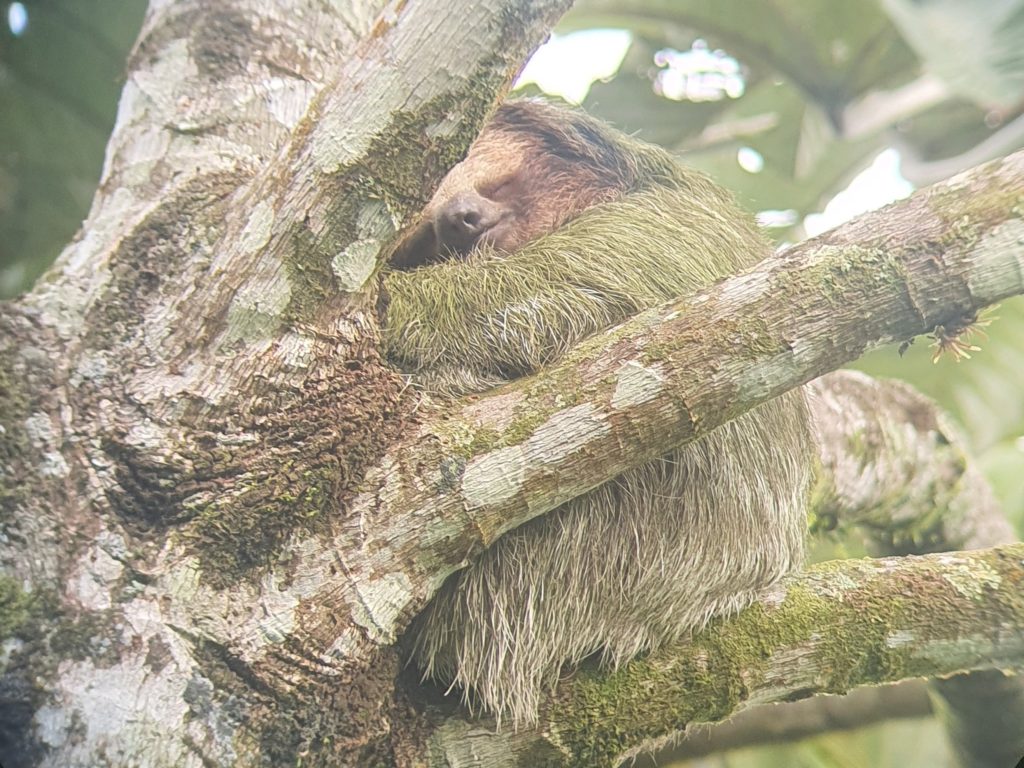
column 983, row 394
column 829, row 85
column 902, row 743
column 59, row 84
column 973, row 45
column 826, row 87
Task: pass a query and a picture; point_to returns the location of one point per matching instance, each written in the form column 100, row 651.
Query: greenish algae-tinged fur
column 506, row 317
column 636, row 229
column 391, row 176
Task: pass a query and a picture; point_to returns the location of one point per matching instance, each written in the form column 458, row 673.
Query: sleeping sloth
column 553, row 228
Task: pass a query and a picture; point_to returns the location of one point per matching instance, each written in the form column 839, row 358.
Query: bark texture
column 896, row 467
column 929, row 615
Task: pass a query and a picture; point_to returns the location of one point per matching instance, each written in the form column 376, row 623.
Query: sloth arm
column 501, row 316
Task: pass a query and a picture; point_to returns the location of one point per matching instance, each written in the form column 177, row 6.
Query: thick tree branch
column 932, row 615
column 204, row 382
column 895, row 466
column 196, row 382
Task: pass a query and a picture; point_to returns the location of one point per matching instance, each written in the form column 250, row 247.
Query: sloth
column 553, row 228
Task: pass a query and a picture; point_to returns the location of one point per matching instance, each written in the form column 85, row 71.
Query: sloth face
column 518, row 182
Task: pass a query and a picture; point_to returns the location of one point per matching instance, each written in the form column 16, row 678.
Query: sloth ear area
column 502, row 186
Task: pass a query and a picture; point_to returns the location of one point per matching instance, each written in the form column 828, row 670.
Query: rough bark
column 896, row 468
column 196, row 382
column 219, row 508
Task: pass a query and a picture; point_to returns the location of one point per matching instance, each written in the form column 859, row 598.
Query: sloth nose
column 462, row 220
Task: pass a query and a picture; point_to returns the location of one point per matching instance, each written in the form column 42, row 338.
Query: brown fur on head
column 529, row 172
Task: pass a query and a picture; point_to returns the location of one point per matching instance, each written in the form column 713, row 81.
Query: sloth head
column 533, row 168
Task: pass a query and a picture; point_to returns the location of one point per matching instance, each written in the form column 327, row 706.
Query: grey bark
column 177, row 403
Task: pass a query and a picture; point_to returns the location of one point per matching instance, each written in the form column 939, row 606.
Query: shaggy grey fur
column 651, row 556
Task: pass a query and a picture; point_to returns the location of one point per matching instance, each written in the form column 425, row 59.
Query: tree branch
column 932, row 615
column 895, row 466
column 189, row 381
column 212, row 384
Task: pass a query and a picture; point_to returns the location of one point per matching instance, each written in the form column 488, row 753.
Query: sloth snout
column 463, row 220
